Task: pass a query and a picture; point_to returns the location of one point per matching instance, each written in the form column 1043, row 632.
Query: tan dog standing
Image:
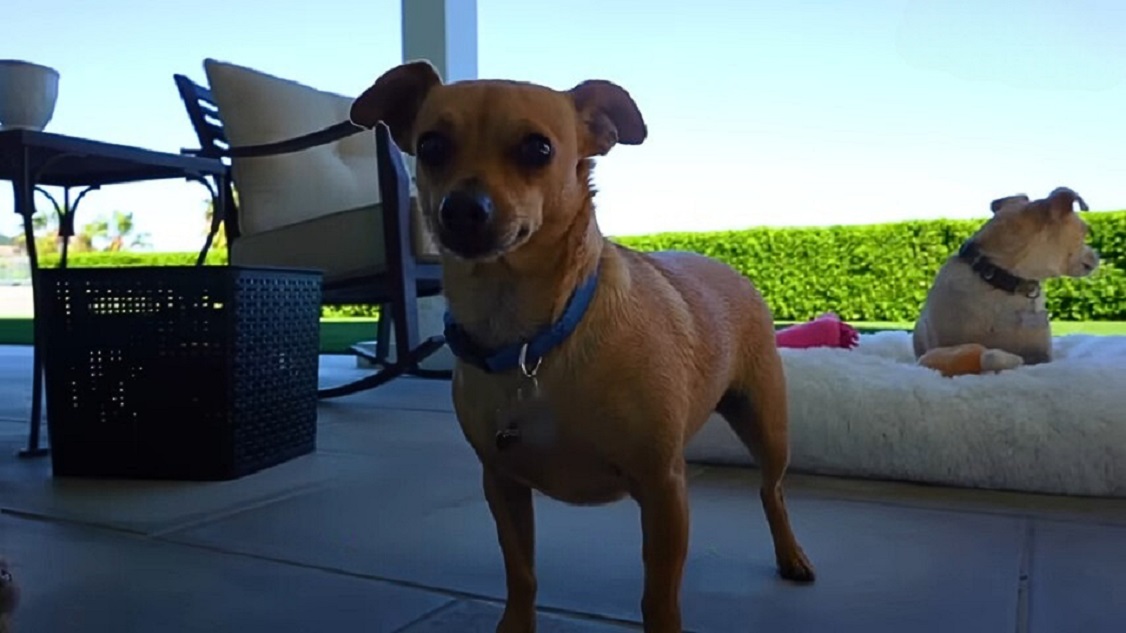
column 583, row 367
column 991, row 294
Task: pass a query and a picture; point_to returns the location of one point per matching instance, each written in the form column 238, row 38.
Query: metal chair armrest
column 321, row 137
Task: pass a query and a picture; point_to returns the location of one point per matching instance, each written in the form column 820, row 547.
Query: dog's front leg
column 664, row 528
column 511, row 505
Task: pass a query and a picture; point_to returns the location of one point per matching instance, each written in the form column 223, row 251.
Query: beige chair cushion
column 330, row 192
column 339, row 244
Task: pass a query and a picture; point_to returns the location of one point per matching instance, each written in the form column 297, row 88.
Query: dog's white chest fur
column 962, row 308
column 1031, row 318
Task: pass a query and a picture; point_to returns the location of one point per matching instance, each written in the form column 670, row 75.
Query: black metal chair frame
column 396, row 291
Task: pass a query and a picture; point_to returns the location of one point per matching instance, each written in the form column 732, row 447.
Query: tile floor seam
column 429, row 614
column 53, row 520
column 159, row 533
column 450, row 593
column 594, row 617
column 455, row 595
column 978, row 511
column 234, row 512
column 1025, row 577
column 1108, row 523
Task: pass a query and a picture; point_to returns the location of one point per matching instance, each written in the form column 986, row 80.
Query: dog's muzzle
column 1090, row 261
column 466, row 223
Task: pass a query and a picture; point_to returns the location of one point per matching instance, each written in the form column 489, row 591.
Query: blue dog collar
column 525, row 354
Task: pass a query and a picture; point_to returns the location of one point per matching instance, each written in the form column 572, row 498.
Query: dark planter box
column 179, row 372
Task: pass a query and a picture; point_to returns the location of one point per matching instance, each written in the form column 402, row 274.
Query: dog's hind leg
column 757, row 411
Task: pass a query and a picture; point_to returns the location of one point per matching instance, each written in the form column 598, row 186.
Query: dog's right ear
column 1062, row 201
column 395, row 99
column 1001, row 203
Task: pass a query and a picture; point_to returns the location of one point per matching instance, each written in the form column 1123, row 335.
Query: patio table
column 32, row 160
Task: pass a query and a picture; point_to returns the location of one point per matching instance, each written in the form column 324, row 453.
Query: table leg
column 24, row 188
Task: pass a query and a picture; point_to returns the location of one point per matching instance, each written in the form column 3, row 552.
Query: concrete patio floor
column 385, row 528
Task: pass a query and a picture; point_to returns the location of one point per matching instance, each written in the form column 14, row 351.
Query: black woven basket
column 179, row 372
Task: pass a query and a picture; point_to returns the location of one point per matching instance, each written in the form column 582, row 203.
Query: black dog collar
column 996, row 276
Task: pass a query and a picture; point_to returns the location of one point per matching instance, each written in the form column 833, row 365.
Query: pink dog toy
column 826, row 330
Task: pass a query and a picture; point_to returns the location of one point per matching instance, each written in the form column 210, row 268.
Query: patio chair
column 314, row 191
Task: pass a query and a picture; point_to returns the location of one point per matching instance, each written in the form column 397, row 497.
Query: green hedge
column 126, row 258
column 864, row 273
column 216, row 257
column 882, row 272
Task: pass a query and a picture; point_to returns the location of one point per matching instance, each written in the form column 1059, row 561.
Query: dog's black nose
column 465, row 211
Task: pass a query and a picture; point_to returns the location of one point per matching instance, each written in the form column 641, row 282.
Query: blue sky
column 760, row 113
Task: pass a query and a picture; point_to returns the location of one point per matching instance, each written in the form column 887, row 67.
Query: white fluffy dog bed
column 871, row 412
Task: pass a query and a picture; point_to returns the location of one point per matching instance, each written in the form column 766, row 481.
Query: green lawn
column 337, row 335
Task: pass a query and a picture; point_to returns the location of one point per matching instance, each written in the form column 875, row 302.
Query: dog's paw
column 797, row 568
column 999, row 360
column 512, row 622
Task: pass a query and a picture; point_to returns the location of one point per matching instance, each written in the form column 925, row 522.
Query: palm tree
column 118, row 234
column 45, row 226
column 125, row 233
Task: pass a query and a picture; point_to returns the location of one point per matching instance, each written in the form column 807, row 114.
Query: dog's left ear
column 1062, row 201
column 609, row 114
column 395, row 98
column 1001, row 203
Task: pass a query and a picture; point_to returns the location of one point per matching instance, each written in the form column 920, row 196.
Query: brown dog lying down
column 986, row 309
column 583, row 367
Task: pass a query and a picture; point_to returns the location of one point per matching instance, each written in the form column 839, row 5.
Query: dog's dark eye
column 535, row 151
column 433, row 149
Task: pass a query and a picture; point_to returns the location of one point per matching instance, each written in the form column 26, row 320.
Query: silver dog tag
column 528, row 390
column 529, row 417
